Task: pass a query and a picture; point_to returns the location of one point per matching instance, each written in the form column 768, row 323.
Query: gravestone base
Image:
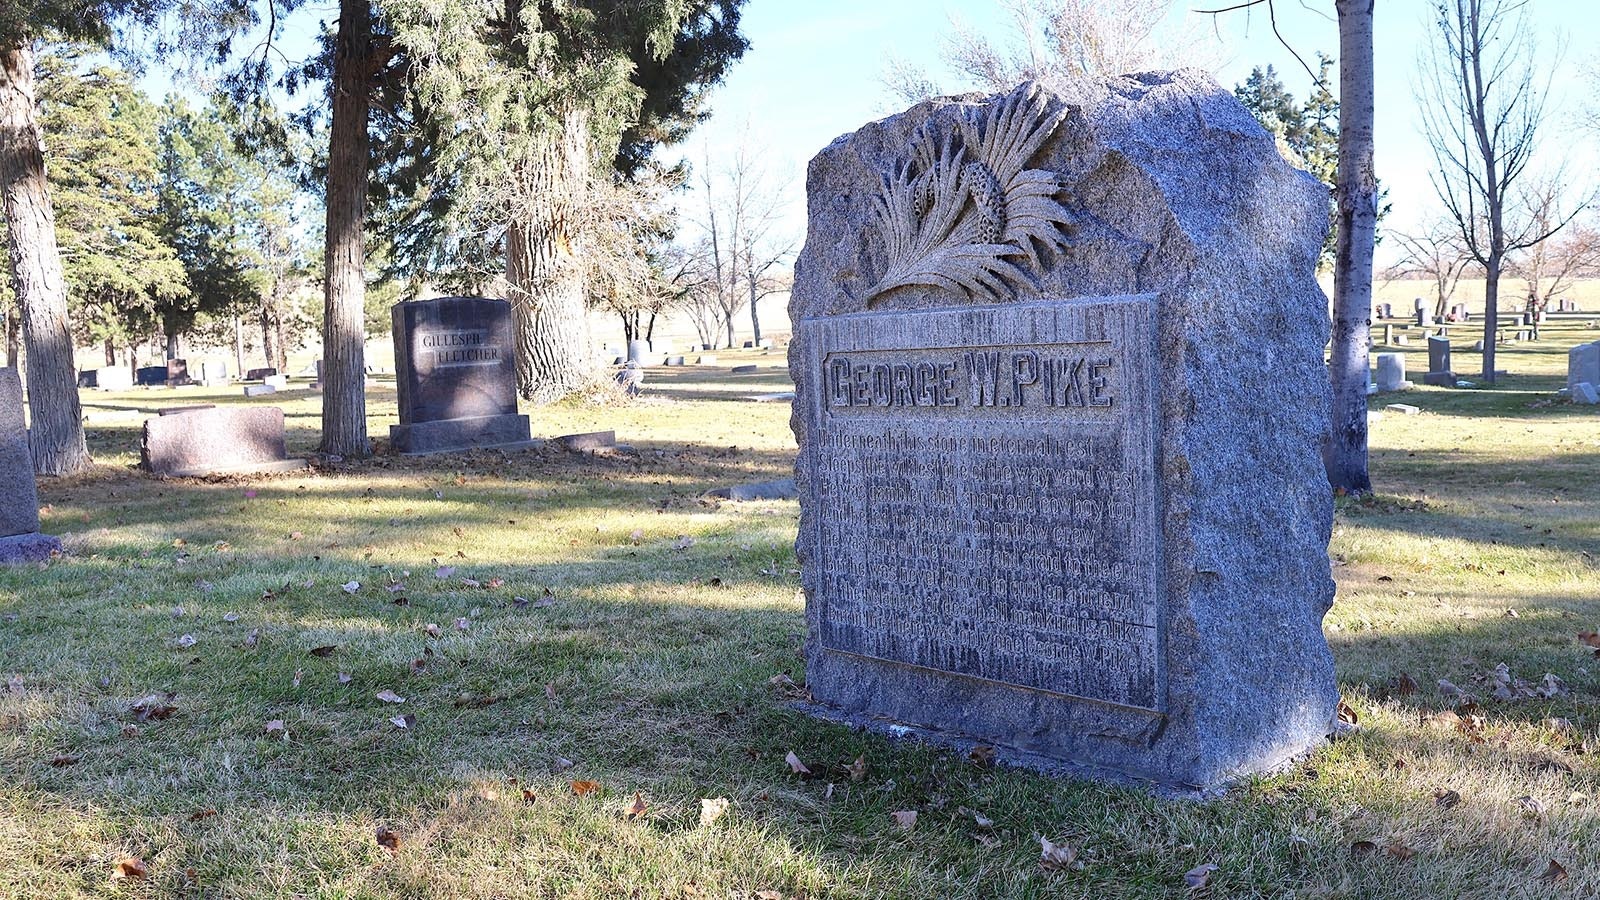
column 28, row 548
column 505, row 432
column 1439, row 379
column 274, row 467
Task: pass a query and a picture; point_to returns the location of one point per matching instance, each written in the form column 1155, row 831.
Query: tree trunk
column 729, row 323
column 344, row 393
column 13, row 338
column 545, row 278
column 1491, row 314
column 1345, row 454
column 57, row 420
column 268, row 351
column 174, row 344
column 111, row 352
column 755, row 319
column 547, row 299
column 650, row 329
column 238, row 346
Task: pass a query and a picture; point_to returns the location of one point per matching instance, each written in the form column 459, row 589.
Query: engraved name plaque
column 981, row 491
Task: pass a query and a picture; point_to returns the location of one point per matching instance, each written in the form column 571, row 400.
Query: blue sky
column 815, row 71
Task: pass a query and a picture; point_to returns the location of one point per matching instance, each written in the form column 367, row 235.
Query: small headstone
column 1439, row 373
column 1477, row 346
column 1404, row 409
column 779, row 397
column 1033, row 478
column 457, row 377
column 637, row 351
column 1583, row 392
column 674, row 361
column 277, row 382
column 151, row 376
column 705, row 359
column 766, row 343
column 1386, row 310
column 1439, row 379
column 212, row 372
column 1401, row 340
column 258, row 374
column 1583, row 364
column 259, row 390
column 110, row 378
column 1388, row 335
column 1391, row 371
column 20, row 540
column 749, row 345
column 178, row 372
column 589, row 442
column 216, row 440
column 746, row 370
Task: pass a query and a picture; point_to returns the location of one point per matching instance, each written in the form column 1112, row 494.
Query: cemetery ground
column 203, row 699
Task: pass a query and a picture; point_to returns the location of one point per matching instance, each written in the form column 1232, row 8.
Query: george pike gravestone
column 20, row 540
column 1041, row 508
column 455, row 370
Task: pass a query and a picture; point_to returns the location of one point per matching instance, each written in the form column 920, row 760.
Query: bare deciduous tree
column 1434, row 252
column 1485, row 101
column 1550, row 267
column 1064, row 45
column 743, row 244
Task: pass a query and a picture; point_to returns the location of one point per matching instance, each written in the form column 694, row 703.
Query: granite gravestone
column 20, row 540
column 1391, row 371
column 216, row 440
column 1583, row 365
column 1439, row 372
column 1040, row 509
column 455, row 361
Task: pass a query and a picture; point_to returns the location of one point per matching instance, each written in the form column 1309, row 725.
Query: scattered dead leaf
column 350, row 587
column 1445, row 798
column 905, row 818
column 561, row 764
column 153, row 708
column 1406, row 685
column 711, row 809
column 1399, row 851
column 276, row 727
column 324, row 651
column 1057, row 857
column 1347, row 715
column 186, row 641
column 387, row 839
column 982, row 755
column 637, row 808
column 129, row 867
column 1199, row 876
column 431, row 630
column 389, row 696
column 858, row 769
column 62, row 760
column 404, row 722
column 795, row 765
column 1555, row 873
column 584, row 788
column 1531, row 808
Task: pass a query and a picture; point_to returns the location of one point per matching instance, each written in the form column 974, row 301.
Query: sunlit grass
column 595, row 609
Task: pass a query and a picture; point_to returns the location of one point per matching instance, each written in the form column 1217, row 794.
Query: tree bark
column 57, row 420
column 13, row 338
column 755, row 319
column 111, row 352
column 1345, row 454
column 545, row 277
column 268, row 348
column 344, row 393
column 1491, row 314
column 238, row 346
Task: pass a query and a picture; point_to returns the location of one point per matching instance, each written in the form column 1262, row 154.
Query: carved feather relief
column 963, row 213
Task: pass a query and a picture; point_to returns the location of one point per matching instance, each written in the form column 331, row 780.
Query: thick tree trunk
column 1491, row 314
column 268, row 348
column 547, row 297
column 111, row 352
column 344, row 394
column 13, row 337
column 41, row 292
column 545, row 277
column 1345, row 454
column 174, row 343
column 238, row 346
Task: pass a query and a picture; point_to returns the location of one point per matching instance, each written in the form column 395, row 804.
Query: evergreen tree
column 102, row 136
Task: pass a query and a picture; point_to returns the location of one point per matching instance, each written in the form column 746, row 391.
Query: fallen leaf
column 1446, row 799
column 858, row 769
column 403, row 722
column 130, row 731
column 201, row 814
column 550, row 690
column 637, row 808
column 711, row 809
column 153, row 708
column 344, row 677
column 431, row 630
column 463, row 624
column 528, row 796
column 389, row 696
column 1588, row 639
column 63, row 760
column 187, row 640
column 230, row 617
column 1199, row 876
column 683, row 542
column 1531, row 808
column 584, row 788
column 387, row 839
column 795, row 765
column 982, row 755
column 326, row 651
column 251, row 639
column 1407, row 685
column 1056, row 857
column 1347, row 715
column 1399, row 851
column 561, row 764
column 1555, row 873
column 350, row 587
column 276, row 726
column 1362, row 848
column 131, row 867
column 14, row 685
column 904, row 818
column 299, row 674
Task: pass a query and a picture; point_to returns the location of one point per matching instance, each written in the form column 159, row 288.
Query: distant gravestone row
column 1034, row 483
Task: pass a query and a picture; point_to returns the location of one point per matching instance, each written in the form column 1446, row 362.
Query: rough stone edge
column 20, row 549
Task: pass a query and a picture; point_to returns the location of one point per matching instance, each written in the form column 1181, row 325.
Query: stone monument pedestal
column 477, row 432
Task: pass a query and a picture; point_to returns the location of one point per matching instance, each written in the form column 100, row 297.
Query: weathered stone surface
column 1439, row 379
column 19, row 498
column 28, row 548
column 1391, row 371
column 1040, row 506
column 1438, row 354
column 212, row 440
column 1404, row 409
column 477, row 432
column 1583, row 364
column 456, row 363
column 259, row 390
column 587, row 442
column 258, row 374
column 1585, row 393
column 746, row 370
column 151, row 375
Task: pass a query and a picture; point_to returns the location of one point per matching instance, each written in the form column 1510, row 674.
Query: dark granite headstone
column 151, row 375
column 258, row 374
column 455, row 362
column 178, row 372
column 1438, row 354
column 1040, row 509
column 206, row 440
column 20, row 540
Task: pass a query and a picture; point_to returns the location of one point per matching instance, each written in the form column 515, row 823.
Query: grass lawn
column 578, row 637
